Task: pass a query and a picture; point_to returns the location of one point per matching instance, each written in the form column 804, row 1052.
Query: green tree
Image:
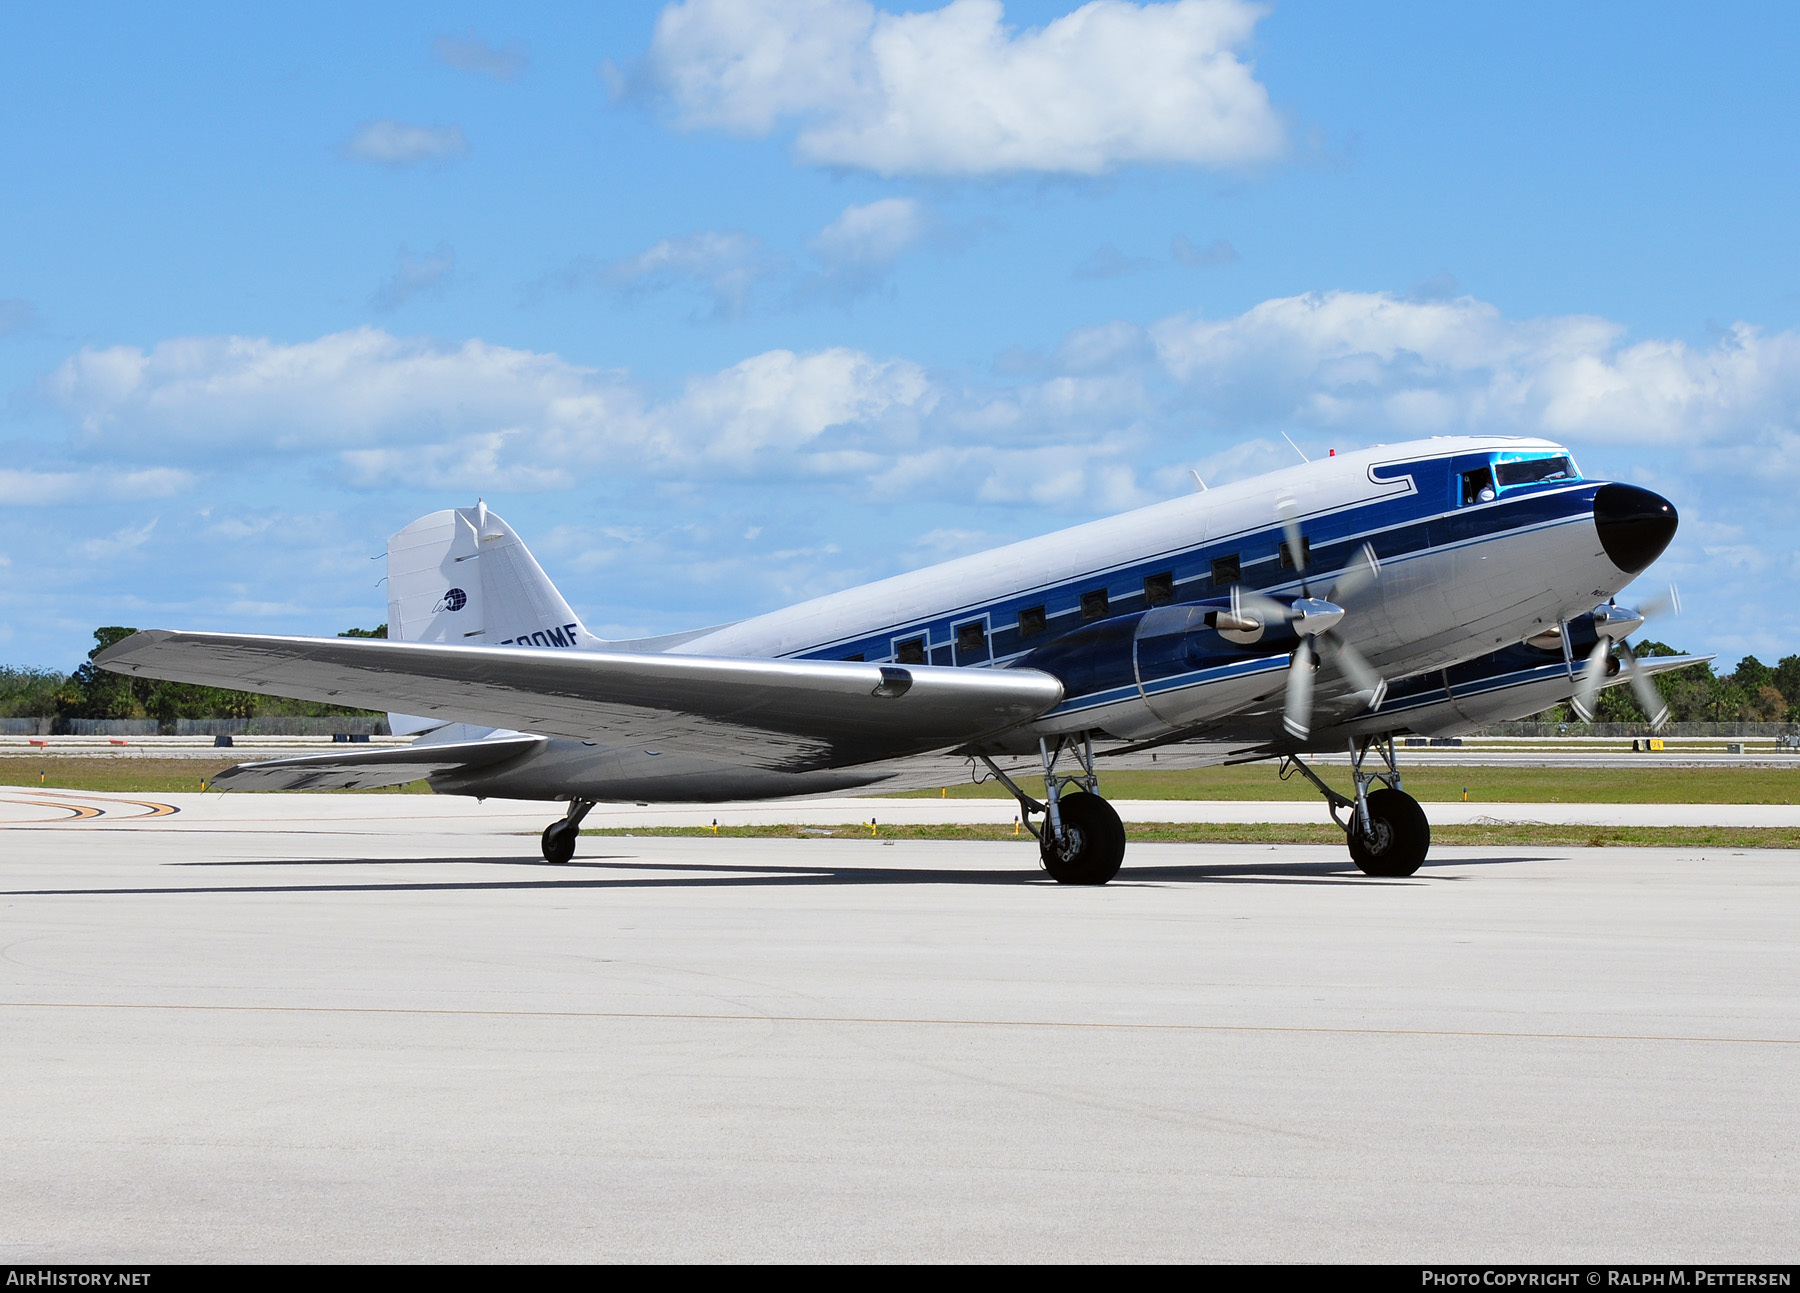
column 1753, row 675
column 1787, row 681
column 29, row 693
column 93, row 692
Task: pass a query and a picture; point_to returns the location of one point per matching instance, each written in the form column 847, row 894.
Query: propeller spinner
column 1613, row 622
column 1360, row 574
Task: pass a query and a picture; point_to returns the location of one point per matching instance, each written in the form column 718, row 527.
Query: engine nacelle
column 1161, row 670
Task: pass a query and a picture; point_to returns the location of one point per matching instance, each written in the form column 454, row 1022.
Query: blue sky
column 727, row 304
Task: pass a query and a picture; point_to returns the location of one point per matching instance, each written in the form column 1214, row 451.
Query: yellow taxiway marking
column 86, row 810
column 654, row 1016
column 77, row 812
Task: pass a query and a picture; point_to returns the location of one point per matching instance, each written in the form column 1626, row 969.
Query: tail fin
column 464, row 577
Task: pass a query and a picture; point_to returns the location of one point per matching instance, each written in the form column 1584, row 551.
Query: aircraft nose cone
column 1634, row 524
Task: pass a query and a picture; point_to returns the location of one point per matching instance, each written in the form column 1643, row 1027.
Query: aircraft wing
column 784, row 714
column 363, row 769
column 1655, row 664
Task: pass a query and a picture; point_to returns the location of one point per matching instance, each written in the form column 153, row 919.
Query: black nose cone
column 1635, row 525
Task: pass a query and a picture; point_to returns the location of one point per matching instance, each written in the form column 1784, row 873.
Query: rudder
column 464, row 577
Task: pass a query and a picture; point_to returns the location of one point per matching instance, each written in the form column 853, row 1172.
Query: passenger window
column 971, row 637
column 1478, row 486
column 1159, row 589
column 854, row 659
column 1093, row 605
column 1226, row 570
column 911, row 651
column 1287, row 557
column 1031, row 620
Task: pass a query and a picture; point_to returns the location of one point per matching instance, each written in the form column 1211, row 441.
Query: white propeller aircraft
column 1431, row 587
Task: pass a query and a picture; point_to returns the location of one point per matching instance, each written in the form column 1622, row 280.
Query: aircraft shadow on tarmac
column 625, row 873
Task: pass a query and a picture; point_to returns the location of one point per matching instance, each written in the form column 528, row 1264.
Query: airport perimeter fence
column 125, row 727
column 1736, row 731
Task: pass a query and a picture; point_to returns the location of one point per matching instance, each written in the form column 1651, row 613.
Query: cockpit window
column 1478, row 486
column 1531, row 471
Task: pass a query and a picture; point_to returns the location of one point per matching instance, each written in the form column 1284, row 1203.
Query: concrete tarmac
column 29, row 806
column 323, row 1036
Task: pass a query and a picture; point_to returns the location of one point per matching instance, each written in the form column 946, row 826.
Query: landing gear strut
column 1387, row 831
column 1082, row 840
column 560, row 837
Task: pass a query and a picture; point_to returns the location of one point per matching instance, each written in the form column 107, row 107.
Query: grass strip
column 1258, row 782
column 1439, row 784
column 146, row 776
column 1732, row 837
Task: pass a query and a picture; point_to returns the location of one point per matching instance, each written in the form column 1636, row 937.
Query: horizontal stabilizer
column 749, row 711
column 370, row 768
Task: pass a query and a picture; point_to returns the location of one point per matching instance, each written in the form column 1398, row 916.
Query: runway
column 306, row 1028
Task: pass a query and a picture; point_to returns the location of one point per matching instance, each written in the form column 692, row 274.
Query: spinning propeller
column 1315, row 618
column 1613, row 622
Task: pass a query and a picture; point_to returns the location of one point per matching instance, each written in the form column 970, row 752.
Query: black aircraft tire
column 1402, row 836
column 559, row 842
column 1101, row 848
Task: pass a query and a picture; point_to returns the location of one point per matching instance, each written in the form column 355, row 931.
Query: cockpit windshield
column 1531, row 471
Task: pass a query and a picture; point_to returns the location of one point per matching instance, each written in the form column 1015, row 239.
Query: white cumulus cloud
column 857, row 249
column 396, row 144
column 1376, row 361
column 955, row 91
column 343, row 390
column 1112, row 406
column 32, row 488
column 726, row 264
column 412, row 409
column 874, row 233
column 119, row 542
column 781, row 401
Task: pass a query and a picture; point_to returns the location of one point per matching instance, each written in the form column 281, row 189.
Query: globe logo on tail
column 454, row 600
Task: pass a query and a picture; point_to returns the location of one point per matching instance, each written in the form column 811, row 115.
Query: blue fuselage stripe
column 1400, row 528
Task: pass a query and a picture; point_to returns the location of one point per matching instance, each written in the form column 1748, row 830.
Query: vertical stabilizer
column 463, row 577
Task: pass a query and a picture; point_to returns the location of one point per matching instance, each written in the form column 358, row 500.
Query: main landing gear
column 1082, row 840
column 560, row 837
column 1387, row 831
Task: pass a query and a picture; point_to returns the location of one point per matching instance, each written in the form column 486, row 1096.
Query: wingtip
column 127, row 647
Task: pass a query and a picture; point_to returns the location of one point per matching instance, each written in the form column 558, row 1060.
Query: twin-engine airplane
column 1430, row 587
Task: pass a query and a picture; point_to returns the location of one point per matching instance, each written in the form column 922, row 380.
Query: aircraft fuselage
column 1463, row 574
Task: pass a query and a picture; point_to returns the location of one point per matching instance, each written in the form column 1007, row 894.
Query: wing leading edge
column 781, row 714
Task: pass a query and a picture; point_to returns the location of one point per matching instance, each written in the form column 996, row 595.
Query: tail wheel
column 1399, row 835
column 1093, row 844
column 559, row 842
